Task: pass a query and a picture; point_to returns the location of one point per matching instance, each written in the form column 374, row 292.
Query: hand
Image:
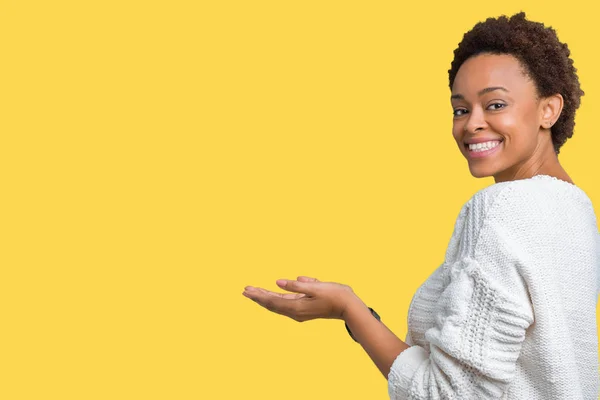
column 313, row 299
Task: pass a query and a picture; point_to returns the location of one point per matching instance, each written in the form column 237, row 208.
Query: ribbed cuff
column 402, row 371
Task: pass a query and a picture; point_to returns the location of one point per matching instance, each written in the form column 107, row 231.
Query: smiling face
column 495, row 102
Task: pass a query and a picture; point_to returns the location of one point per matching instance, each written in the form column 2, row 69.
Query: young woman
column 511, row 313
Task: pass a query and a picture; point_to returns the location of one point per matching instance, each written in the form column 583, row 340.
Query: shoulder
column 520, row 205
column 523, row 197
column 528, row 209
column 535, row 207
column 487, row 201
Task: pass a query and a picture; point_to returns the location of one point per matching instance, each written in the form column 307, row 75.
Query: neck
column 544, row 161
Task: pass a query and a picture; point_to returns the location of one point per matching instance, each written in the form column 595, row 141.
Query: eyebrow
column 480, row 93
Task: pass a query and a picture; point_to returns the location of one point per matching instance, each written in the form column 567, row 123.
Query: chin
column 481, row 172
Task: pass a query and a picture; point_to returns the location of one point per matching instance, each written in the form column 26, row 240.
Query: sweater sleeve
column 480, row 322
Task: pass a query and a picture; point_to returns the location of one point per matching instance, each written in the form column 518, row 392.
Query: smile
column 483, row 149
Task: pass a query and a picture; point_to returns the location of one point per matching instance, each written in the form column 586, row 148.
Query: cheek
column 517, row 124
column 506, row 122
column 457, row 131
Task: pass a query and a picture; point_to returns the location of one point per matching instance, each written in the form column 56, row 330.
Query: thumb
column 296, row 286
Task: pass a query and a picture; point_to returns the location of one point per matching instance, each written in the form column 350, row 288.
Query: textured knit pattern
column 511, row 312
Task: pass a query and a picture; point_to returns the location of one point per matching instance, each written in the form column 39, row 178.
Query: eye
column 459, row 111
column 501, row 106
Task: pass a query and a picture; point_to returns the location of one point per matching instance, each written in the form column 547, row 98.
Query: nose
column 476, row 121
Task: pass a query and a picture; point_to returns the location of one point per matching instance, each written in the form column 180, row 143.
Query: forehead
column 487, row 70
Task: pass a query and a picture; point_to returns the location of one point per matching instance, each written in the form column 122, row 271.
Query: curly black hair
column 544, row 58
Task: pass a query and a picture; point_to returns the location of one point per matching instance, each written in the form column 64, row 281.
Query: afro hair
column 544, row 58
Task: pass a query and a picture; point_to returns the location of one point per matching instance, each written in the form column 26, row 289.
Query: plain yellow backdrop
column 157, row 157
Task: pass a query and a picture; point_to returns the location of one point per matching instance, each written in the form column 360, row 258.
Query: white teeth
column 484, row 146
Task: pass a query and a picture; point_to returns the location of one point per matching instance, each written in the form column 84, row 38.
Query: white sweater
column 511, row 313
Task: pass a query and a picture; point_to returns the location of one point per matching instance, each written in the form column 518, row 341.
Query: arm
column 380, row 343
column 482, row 311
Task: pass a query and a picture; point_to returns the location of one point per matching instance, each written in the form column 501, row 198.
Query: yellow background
column 158, row 156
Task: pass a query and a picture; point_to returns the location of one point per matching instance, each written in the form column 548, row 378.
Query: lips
column 482, row 140
column 475, row 141
column 484, row 153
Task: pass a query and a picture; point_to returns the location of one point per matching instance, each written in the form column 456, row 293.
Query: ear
column 551, row 108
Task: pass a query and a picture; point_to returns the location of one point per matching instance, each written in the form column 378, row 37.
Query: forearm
column 380, row 343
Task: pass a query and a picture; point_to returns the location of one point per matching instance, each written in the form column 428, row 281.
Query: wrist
column 352, row 303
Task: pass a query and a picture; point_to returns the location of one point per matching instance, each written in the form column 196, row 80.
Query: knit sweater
column 511, row 312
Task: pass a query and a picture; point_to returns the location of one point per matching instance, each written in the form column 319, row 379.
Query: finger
column 291, row 296
column 308, row 288
column 273, row 303
column 307, row 279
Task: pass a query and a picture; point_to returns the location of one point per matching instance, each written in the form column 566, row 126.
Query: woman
column 511, row 313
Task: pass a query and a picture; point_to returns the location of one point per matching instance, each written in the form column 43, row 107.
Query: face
column 494, row 102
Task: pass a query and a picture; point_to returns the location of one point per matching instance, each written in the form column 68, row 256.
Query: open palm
column 312, row 298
